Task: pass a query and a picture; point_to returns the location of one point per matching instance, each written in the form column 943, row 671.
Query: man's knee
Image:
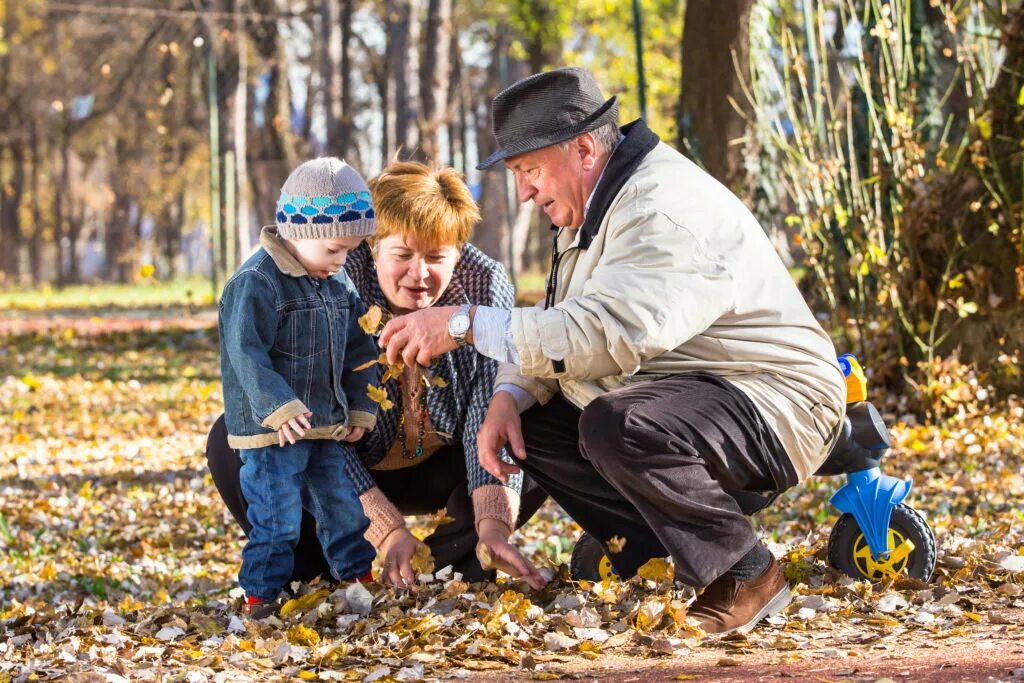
column 603, row 431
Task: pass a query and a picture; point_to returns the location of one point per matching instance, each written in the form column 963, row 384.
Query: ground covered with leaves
column 118, row 559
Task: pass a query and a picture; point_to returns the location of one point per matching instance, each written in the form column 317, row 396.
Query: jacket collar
column 638, row 142
column 283, row 259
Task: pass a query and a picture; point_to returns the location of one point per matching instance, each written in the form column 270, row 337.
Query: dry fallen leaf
column 615, row 544
column 371, row 320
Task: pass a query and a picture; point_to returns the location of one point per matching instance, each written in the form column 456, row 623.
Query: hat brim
column 605, row 114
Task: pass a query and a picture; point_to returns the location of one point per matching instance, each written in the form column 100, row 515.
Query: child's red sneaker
column 257, row 608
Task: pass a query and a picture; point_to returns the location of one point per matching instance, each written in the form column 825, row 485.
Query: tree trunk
column 492, row 234
column 434, row 76
column 11, row 192
column 401, row 27
column 35, row 248
column 707, row 121
column 456, row 109
column 243, row 210
column 272, row 149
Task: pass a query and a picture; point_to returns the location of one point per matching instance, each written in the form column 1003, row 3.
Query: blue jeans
column 278, row 481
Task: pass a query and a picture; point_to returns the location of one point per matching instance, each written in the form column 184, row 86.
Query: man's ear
column 588, row 150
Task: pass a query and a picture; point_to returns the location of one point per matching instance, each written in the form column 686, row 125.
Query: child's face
column 323, row 258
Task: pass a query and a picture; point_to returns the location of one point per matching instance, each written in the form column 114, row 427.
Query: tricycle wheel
column 911, row 548
column 589, row 561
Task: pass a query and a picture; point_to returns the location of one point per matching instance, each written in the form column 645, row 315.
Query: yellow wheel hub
column 899, row 549
column 604, row 568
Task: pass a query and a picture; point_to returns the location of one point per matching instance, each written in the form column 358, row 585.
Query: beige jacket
column 680, row 277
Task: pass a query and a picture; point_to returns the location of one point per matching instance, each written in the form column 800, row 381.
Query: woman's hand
column 398, row 549
column 296, row 425
column 500, row 554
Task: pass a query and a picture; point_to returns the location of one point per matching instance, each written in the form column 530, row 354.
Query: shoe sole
column 778, row 603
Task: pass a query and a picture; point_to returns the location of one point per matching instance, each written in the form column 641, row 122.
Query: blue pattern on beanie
column 341, row 208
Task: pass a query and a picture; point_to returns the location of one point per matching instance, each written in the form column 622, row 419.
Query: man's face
column 559, row 179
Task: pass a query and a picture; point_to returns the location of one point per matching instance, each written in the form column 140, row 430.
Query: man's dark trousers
column 659, row 465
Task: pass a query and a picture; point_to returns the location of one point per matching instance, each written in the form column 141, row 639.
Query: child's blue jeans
column 278, row 481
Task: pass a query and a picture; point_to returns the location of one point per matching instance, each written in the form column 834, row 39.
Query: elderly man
column 673, row 365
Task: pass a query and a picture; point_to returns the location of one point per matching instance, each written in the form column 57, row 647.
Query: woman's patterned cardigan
column 456, row 410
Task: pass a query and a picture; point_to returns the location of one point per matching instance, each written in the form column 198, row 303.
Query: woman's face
column 413, row 278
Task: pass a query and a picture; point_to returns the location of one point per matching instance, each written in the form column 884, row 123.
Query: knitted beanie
column 324, row 199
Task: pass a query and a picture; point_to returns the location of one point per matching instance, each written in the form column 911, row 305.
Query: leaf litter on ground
column 118, row 557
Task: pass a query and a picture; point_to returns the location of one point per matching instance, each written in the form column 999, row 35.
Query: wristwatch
column 459, row 323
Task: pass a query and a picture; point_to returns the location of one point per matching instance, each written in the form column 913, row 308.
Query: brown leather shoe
column 729, row 605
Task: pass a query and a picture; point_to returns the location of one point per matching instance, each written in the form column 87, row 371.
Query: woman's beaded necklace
column 417, row 395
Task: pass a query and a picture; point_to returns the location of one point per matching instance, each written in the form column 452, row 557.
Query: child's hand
column 354, row 434
column 296, row 425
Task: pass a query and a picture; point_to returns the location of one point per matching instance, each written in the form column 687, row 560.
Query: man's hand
column 398, row 550
column 501, row 426
column 504, row 556
column 295, row 425
column 419, row 337
column 354, row 434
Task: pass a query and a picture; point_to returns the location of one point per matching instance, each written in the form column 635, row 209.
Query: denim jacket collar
column 274, row 245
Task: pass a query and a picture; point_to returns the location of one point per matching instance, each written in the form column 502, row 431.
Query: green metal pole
column 230, row 215
column 638, row 38
column 214, row 124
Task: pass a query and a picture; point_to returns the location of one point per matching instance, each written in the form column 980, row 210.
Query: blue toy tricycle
column 877, row 536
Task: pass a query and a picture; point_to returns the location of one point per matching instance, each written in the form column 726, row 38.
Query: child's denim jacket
column 290, row 343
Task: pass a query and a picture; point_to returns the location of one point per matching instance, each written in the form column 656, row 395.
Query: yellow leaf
column 439, row 382
column 86, row 490
column 488, row 561
column 422, row 561
column 308, row 676
column 379, row 395
column 1020, row 97
column 246, row 645
column 382, row 359
column 48, row 572
column 972, row 616
column 304, row 603
column 393, row 372
column 147, row 270
column 657, row 569
column 615, row 544
column 31, row 382
column 650, row 614
column 985, row 128
column 370, row 322
column 303, row 635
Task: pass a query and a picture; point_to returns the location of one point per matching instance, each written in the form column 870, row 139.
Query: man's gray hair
column 606, row 137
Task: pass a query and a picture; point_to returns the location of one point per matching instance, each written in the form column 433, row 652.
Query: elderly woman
column 422, row 455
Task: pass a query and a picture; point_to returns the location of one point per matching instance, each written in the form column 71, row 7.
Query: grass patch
column 189, row 291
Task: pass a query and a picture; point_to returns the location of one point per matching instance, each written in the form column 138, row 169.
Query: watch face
column 459, row 324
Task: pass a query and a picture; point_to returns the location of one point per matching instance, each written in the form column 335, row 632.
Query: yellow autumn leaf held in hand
column 422, row 561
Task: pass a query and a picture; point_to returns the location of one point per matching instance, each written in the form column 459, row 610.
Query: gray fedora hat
column 545, row 109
